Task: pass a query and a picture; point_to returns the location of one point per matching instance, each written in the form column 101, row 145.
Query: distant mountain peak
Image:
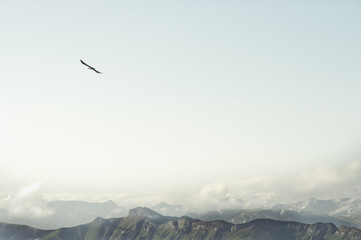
column 144, row 212
column 98, row 220
column 164, row 204
column 167, row 209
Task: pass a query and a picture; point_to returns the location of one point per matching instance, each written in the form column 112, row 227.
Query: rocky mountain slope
column 143, row 223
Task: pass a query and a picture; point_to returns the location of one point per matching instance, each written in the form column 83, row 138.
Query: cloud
column 212, row 196
column 27, row 203
column 215, row 190
column 323, row 183
column 330, row 182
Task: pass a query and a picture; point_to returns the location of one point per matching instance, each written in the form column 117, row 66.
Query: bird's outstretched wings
column 89, row 67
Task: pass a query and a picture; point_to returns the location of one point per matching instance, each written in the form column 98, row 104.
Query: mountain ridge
column 343, row 211
column 146, row 224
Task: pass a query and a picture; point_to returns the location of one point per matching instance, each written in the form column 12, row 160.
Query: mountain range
column 345, row 211
column 341, row 212
column 238, row 216
column 146, row 224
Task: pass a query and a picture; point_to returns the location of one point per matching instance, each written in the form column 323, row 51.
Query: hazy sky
column 202, row 98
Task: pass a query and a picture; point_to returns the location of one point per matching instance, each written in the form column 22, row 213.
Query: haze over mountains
column 71, row 213
column 144, row 223
column 345, row 211
column 67, row 214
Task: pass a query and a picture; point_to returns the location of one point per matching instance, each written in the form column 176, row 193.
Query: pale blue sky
column 193, row 92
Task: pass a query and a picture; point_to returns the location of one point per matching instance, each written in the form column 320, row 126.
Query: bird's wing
column 89, row 66
column 85, row 63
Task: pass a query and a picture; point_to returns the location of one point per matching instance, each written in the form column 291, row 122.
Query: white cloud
column 323, row 183
column 330, row 182
column 26, row 203
column 211, row 196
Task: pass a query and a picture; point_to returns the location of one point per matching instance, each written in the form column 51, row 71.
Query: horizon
column 64, row 214
column 197, row 102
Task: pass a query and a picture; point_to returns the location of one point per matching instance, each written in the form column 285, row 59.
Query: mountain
column 337, row 211
column 177, row 210
column 146, row 224
column 345, row 209
column 333, row 207
column 238, row 216
column 67, row 214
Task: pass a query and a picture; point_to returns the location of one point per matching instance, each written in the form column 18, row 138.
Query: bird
column 89, row 67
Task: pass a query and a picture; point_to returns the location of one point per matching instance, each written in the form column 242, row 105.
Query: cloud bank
column 261, row 191
column 322, row 183
column 27, row 203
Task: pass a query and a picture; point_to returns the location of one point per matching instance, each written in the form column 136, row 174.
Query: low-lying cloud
column 27, row 203
column 262, row 191
column 322, row 183
column 330, row 181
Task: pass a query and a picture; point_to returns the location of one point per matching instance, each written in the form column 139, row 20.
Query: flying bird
column 89, row 67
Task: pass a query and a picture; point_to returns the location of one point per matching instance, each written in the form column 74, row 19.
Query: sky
column 198, row 100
